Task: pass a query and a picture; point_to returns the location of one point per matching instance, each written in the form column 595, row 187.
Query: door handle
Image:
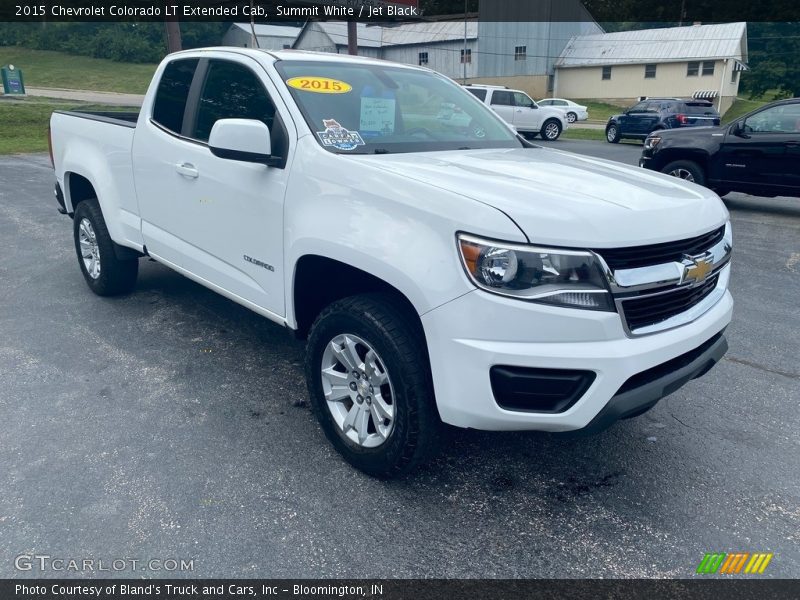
column 187, row 170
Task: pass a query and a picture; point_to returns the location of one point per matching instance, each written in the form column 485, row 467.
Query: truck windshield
column 366, row 109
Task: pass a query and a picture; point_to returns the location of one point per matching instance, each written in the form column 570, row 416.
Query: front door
column 526, row 113
column 221, row 220
column 766, row 153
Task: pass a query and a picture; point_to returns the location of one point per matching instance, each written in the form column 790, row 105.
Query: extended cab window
column 172, row 92
column 231, row 91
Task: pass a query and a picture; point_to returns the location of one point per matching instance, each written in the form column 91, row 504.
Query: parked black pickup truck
column 758, row 154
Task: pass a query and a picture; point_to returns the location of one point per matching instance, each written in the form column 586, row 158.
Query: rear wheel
column 571, row 117
column 105, row 274
column 551, row 130
column 687, row 170
column 369, row 380
column 612, row 134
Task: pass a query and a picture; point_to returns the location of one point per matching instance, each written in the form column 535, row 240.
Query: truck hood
column 565, row 199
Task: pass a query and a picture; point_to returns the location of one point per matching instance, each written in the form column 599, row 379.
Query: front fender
column 400, row 231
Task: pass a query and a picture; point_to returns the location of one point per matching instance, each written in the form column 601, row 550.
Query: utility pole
column 464, row 55
column 173, row 30
column 352, row 38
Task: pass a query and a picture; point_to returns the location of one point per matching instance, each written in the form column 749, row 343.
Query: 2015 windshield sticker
column 338, row 137
column 319, row 85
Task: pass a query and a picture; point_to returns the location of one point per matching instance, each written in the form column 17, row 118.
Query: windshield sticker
column 338, row 137
column 319, row 85
column 377, row 116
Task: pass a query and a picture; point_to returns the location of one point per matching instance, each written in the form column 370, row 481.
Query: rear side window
column 172, row 92
column 480, row 94
column 231, row 91
column 503, row 99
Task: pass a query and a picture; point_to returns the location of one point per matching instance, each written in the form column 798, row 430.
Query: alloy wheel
column 684, row 174
column 90, row 249
column 358, row 390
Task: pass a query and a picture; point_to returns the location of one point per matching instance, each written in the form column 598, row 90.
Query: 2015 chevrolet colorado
column 442, row 268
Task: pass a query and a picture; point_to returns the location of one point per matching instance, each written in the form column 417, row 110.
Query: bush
column 124, row 42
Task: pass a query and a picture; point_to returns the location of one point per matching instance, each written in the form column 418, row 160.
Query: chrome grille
column 650, row 310
column 661, row 286
column 653, row 254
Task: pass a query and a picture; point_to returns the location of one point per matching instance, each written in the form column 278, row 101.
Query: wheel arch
column 319, row 281
column 666, row 156
column 79, row 188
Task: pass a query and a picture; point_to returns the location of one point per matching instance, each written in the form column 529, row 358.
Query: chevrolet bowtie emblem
column 698, row 269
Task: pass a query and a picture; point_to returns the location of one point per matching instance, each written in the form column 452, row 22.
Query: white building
column 270, row 37
column 438, row 45
column 701, row 61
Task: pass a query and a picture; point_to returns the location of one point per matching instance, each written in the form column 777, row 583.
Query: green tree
column 774, row 61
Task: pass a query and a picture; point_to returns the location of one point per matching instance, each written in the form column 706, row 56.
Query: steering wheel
column 423, row 131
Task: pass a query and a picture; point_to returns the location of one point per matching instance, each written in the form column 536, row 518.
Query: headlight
column 652, row 142
column 569, row 278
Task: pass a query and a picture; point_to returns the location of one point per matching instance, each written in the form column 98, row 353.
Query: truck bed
column 124, row 118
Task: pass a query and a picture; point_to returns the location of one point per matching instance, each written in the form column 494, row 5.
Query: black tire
column 571, row 117
column 721, row 192
column 115, row 276
column 551, row 130
column 687, row 170
column 395, row 334
column 612, row 133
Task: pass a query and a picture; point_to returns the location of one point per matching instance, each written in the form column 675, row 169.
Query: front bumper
column 646, row 162
column 478, row 331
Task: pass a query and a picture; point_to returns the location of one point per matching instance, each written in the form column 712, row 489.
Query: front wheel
column 687, row 170
column 369, row 381
column 551, row 130
column 105, row 274
column 612, row 134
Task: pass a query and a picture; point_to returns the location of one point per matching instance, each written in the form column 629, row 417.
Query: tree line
column 774, row 47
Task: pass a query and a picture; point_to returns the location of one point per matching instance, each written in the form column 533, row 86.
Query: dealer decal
column 338, row 137
column 319, row 85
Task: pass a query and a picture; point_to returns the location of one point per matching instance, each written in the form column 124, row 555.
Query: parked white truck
column 442, row 268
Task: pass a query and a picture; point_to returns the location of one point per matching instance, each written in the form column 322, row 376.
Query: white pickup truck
column 442, row 268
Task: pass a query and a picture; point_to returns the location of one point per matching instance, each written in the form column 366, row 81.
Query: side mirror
column 246, row 140
column 738, row 129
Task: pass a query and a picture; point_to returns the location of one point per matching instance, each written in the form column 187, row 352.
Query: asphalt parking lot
column 172, row 423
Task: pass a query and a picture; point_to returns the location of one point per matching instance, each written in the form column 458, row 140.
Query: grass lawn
column 24, row 123
column 740, row 108
column 577, row 133
column 599, row 111
column 58, row 70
